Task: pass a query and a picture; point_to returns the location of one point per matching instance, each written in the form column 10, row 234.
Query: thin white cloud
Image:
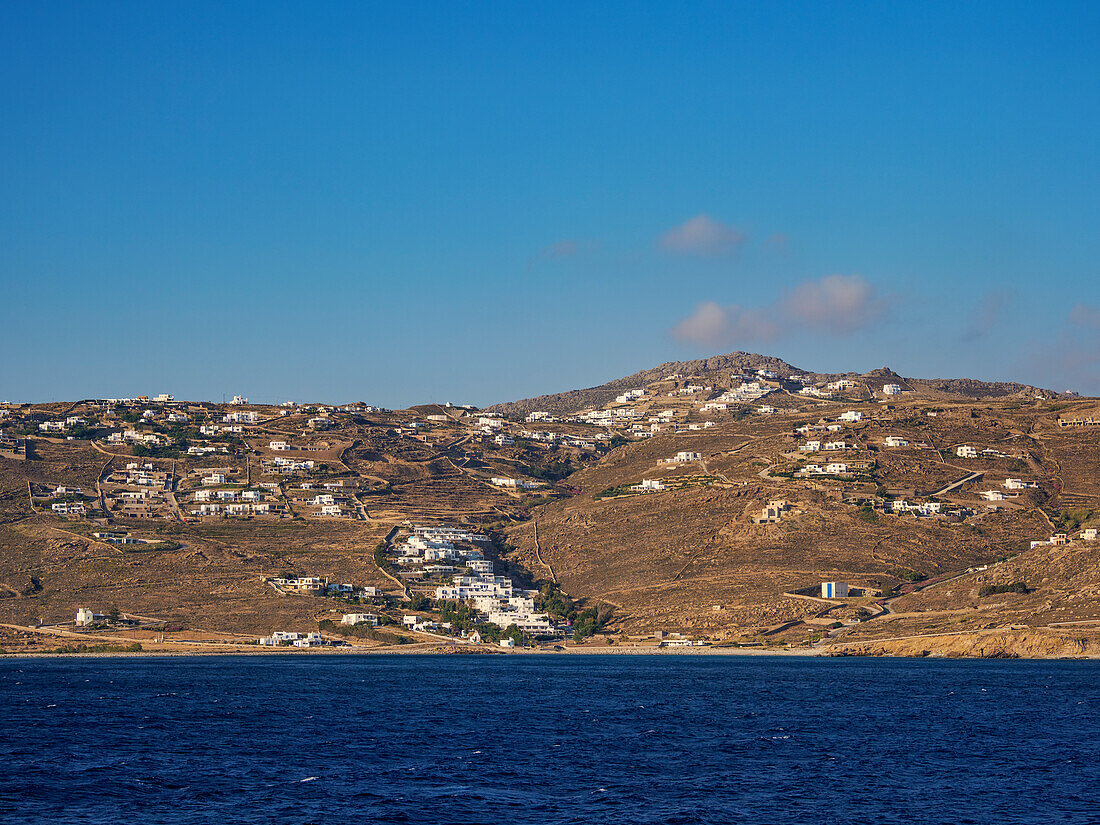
column 986, row 314
column 1085, row 315
column 703, row 236
column 565, row 248
column 835, row 305
column 712, row 325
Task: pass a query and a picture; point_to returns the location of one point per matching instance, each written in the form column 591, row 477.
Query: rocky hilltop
column 750, row 363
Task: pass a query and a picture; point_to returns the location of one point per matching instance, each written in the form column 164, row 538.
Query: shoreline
column 439, row 651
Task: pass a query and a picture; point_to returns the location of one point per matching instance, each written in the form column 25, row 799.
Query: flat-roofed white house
column 360, row 618
column 851, row 416
column 895, row 441
column 834, row 590
column 966, row 451
column 278, row 446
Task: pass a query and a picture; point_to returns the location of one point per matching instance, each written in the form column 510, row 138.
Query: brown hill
column 748, row 362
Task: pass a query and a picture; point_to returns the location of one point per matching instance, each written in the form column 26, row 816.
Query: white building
column 895, row 441
column 834, row 590
column 360, row 618
column 966, row 451
column 891, row 389
column 851, row 416
column 84, row 617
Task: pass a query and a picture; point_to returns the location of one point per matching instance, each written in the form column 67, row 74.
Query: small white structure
column 509, row 643
column 1089, row 534
column 895, row 441
column 966, row 451
column 834, row 590
column 891, row 389
column 360, row 618
column 851, row 416
column 687, row 455
column 84, row 617
column 278, row 446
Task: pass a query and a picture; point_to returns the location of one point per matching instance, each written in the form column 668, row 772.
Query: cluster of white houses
column 290, row 638
column 1088, row 534
column 518, row 483
column 447, row 551
column 316, row 586
column 967, row 451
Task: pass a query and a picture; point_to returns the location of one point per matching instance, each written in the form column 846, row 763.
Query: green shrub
column 991, row 589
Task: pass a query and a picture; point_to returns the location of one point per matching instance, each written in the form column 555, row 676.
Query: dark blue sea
column 565, row 739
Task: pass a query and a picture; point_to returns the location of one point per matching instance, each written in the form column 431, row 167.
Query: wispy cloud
column 702, row 236
column 711, row 325
column 1085, row 315
column 565, row 248
column 835, row 305
column 986, row 314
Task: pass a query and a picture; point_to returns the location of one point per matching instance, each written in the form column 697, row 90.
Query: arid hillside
column 706, row 499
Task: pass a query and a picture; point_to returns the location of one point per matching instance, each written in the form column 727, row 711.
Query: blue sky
column 409, row 202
